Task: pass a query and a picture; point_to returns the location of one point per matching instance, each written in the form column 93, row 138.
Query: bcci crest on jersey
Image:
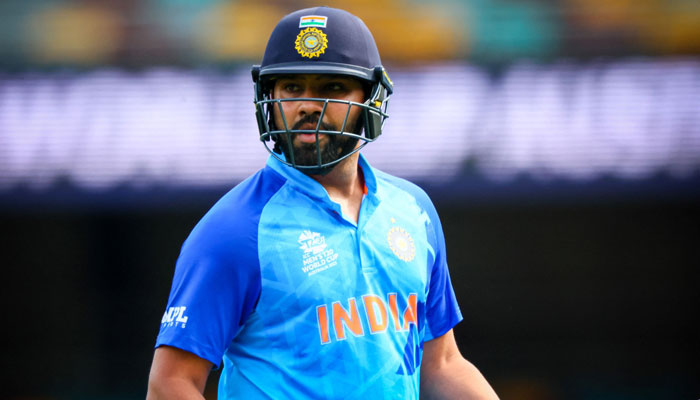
column 401, row 243
column 317, row 257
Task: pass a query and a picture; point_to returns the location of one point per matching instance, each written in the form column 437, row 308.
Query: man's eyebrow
column 335, row 76
column 278, row 77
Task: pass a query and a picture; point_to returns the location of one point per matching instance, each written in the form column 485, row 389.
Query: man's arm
column 445, row 374
column 177, row 374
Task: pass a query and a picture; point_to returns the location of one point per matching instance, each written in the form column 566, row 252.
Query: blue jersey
column 300, row 302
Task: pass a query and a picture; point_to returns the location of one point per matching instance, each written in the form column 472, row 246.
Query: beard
column 306, row 154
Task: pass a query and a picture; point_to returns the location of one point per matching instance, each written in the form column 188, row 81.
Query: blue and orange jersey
column 297, row 301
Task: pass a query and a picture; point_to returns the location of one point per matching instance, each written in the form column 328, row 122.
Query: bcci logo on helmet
column 311, row 43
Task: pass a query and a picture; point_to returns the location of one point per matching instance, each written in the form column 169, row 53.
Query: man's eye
column 292, row 87
column 335, row 87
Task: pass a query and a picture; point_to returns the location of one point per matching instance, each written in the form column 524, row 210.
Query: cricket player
column 319, row 277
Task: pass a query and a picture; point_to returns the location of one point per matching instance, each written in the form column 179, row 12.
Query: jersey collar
column 311, row 187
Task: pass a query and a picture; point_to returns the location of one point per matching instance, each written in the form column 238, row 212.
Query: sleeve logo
column 175, row 316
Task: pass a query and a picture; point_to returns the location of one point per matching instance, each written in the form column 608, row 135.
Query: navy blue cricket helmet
column 321, row 40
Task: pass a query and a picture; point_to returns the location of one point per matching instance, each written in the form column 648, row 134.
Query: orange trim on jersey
column 361, row 175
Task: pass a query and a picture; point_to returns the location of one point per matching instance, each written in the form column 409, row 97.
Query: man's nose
column 308, row 107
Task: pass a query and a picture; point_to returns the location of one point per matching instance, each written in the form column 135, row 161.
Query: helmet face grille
column 283, row 136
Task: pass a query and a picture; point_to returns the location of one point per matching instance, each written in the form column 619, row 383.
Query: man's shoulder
column 237, row 212
column 251, row 194
column 402, row 186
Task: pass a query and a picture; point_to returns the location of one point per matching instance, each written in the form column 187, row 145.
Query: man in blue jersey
column 318, row 277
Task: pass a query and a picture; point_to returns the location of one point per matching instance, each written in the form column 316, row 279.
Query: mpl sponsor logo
column 174, row 316
column 317, row 256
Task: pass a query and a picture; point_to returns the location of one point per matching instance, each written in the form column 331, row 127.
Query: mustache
column 313, row 119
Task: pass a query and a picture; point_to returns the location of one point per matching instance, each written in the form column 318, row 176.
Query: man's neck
column 345, row 185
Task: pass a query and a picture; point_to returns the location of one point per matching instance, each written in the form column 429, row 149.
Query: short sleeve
column 442, row 311
column 212, row 295
column 216, row 283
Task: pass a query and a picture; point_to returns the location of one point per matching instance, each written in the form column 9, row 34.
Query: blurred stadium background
column 559, row 139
